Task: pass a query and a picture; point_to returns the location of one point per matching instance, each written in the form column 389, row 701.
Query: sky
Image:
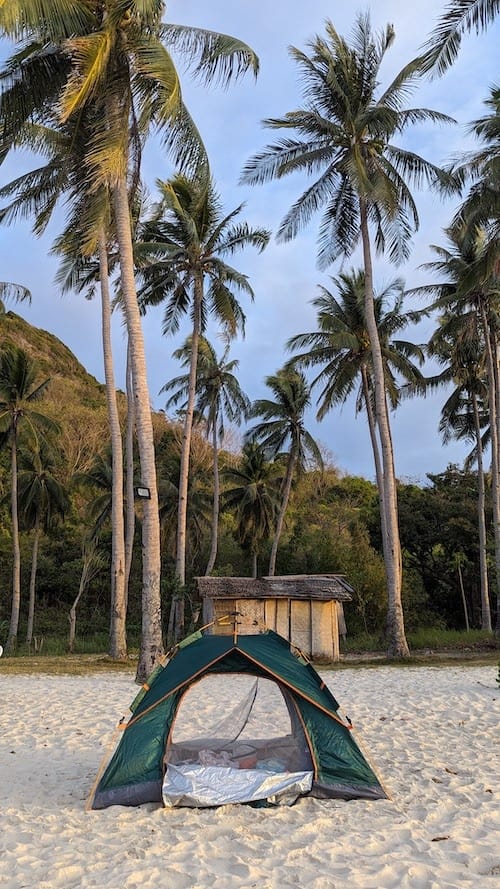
column 284, row 277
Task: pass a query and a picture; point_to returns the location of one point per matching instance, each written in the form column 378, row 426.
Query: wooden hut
column 304, row 608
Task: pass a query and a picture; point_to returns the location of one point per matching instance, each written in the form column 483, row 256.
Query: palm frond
column 213, row 57
column 460, row 16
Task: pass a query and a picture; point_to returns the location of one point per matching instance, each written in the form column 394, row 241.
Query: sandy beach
column 431, row 734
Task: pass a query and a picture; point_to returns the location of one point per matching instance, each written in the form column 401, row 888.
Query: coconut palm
column 476, row 229
column 112, row 57
column 345, row 133
column 341, row 348
column 282, row 430
column 84, row 246
column 478, row 217
column 469, row 290
column 459, row 16
column 19, row 393
column 251, row 495
column 183, row 265
column 42, row 500
column 458, row 346
column 80, row 274
column 219, row 397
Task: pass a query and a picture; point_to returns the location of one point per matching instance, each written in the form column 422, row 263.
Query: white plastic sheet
column 198, row 786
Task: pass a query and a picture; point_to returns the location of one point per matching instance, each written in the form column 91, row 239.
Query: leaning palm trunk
column 151, row 638
column 118, row 636
column 33, row 573
column 215, row 503
column 397, row 644
column 483, row 568
column 287, row 487
column 16, row 555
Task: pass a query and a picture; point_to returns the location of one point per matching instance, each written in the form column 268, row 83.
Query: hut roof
column 324, row 587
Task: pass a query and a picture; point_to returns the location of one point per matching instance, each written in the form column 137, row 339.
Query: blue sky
column 284, row 277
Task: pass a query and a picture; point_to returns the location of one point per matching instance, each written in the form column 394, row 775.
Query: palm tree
column 78, row 273
column 111, row 57
column 187, row 240
column 84, row 247
column 42, row 500
column 19, row 391
column 478, row 217
column 219, row 397
column 341, row 348
column 477, row 226
column 460, row 16
column 459, row 349
column 282, row 427
column 345, row 132
column 470, row 291
column 84, row 239
column 252, row 497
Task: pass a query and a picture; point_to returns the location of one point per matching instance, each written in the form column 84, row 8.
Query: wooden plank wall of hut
column 312, row 626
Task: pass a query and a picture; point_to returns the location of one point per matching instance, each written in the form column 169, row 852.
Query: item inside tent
column 242, row 759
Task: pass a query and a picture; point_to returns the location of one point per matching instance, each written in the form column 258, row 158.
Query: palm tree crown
column 341, row 344
column 251, row 494
column 186, row 240
column 344, row 133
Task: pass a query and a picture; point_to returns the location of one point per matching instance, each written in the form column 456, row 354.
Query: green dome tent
column 319, row 742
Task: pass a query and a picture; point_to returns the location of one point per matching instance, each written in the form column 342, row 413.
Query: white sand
column 433, row 738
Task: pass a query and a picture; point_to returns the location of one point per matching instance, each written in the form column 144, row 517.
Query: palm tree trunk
column 483, row 567
column 151, row 638
column 397, row 644
column 496, row 499
column 186, row 438
column 118, row 635
column 215, row 504
column 490, row 339
column 281, row 515
column 11, row 643
column 34, row 566
column 462, row 592
column 129, row 483
column 379, row 474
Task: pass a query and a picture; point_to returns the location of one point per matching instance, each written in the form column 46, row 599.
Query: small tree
column 282, row 426
column 92, row 563
column 41, row 500
column 253, row 499
column 18, row 393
